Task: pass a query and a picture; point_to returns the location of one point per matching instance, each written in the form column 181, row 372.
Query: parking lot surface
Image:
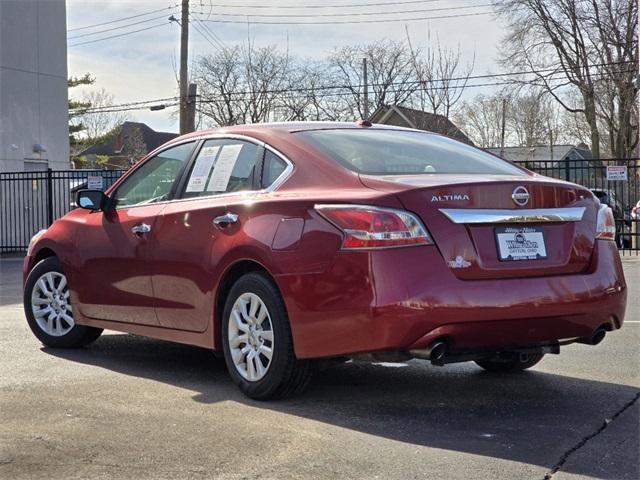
column 131, row 407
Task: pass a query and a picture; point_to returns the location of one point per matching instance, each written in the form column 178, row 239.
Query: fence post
column 49, row 196
column 567, row 174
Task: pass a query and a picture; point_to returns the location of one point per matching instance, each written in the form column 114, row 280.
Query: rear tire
column 510, row 363
column 257, row 341
column 49, row 311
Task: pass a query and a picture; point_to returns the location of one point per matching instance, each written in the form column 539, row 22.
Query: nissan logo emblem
column 520, row 196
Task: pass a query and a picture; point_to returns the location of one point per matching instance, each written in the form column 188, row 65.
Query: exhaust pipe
column 434, row 352
column 437, row 351
column 594, row 339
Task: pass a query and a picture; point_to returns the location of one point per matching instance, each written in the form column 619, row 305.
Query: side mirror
column 92, row 199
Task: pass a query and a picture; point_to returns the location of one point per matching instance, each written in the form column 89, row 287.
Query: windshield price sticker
column 202, row 169
column 224, row 167
column 520, row 243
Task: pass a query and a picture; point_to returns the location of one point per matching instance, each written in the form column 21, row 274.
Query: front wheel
column 257, row 342
column 49, row 311
column 509, row 363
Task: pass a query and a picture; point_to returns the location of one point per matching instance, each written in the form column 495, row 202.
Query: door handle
column 225, row 220
column 141, row 228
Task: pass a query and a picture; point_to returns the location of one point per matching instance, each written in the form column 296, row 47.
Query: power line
column 348, row 22
column 405, row 2
column 117, row 36
column 204, row 100
column 203, row 35
column 207, row 32
column 124, row 108
column 118, row 27
column 552, row 71
column 316, row 15
column 122, row 19
column 130, row 109
column 129, row 104
column 419, row 82
column 211, row 32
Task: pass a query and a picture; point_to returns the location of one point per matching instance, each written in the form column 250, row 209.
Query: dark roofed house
column 132, row 141
column 411, row 118
column 568, row 162
column 544, row 153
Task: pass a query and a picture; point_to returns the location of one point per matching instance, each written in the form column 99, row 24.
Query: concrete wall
column 33, row 85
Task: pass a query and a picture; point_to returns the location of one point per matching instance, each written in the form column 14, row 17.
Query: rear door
column 198, row 229
column 113, row 281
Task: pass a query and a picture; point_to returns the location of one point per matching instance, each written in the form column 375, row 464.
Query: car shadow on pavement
column 532, row 417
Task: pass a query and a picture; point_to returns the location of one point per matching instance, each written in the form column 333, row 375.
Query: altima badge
column 453, row 197
column 520, row 196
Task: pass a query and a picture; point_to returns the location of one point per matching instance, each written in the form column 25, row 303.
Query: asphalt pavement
column 131, row 407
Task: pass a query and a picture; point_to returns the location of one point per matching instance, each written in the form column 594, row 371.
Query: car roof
column 290, row 127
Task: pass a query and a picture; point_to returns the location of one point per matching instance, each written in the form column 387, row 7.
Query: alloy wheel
column 250, row 337
column 50, row 304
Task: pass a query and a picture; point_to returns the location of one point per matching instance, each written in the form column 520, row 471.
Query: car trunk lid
column 487, row 227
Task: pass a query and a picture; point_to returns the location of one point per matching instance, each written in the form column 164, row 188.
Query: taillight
column 374, row 227
column 606, row 228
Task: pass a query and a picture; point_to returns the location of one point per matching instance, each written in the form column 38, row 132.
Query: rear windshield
column 397, row 152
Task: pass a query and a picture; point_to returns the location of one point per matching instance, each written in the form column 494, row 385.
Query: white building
column 34, row 132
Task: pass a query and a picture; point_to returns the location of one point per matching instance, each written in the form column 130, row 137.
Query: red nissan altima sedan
column 279, row 244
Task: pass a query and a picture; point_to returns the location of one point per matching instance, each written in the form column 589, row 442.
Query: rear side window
column 397, row 152
column 222, row 166
column 272, row 168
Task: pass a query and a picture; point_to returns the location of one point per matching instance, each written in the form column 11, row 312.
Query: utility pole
column 365, row 100
column 184, row 65
column 504, row 115
column 191, row 107
column 550, row 138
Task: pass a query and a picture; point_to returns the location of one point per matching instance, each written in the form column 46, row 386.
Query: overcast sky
column 141, row 66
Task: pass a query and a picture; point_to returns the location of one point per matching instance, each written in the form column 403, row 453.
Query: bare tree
column 616, row 44
column 481, row 120
column 531, row 118
column 220, row 77
column 133, row 146
column 441, row 76
column 578, row 43
column 242, row 84
column 391, row 76
column 266, row 76
column 310, row 95
column 98, row 123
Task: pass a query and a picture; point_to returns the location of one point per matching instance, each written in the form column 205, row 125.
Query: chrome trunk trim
column 537, row 215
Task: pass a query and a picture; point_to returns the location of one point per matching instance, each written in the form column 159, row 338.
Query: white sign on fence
column 94, row 182
column 615, row 172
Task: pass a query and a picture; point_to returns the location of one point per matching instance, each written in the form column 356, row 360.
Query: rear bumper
column 407, row 298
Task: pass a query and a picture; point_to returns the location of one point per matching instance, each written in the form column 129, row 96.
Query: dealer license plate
column 520, row 243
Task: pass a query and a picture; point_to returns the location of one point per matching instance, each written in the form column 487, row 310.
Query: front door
column 193, row 235
column 113, row 275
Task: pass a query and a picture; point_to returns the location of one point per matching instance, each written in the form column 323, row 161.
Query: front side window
column 152, row 181
column 222, row 166
column 398, row 152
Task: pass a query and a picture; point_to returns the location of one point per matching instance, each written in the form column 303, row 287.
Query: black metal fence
column 30, row 201
column 615, row 182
